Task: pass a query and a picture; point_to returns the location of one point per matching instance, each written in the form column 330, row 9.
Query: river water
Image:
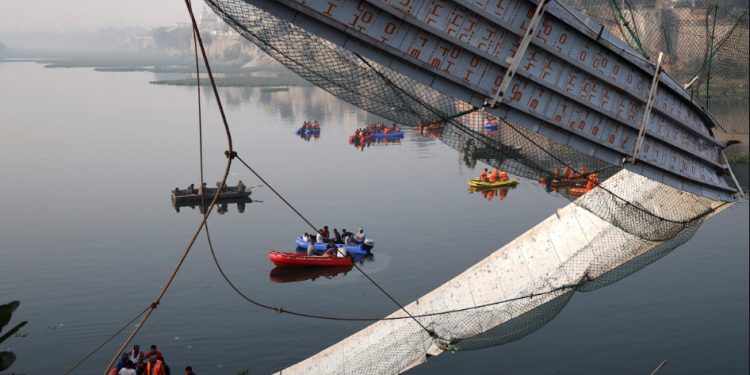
column 88, row 235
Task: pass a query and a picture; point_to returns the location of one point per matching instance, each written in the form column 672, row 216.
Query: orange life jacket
column 483, row 176
column 494, row 176
column 503, row 176
column 157, row 370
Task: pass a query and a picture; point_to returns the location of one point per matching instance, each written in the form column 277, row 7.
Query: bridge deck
column 575, row 83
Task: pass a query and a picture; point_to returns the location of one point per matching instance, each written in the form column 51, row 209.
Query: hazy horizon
column 20, row 16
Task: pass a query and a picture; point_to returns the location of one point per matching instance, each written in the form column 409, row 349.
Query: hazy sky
column 46, row 15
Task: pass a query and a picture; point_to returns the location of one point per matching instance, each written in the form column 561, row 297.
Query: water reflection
column 490, row 193
column 222, row 205
column 296, row 274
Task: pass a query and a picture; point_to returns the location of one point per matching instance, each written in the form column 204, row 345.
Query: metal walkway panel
column 575, row 83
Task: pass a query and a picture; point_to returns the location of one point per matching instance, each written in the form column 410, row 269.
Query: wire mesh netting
column 705, row 44
column 651, row 222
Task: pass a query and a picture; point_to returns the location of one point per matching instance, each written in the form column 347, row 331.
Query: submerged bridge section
column 541, row 65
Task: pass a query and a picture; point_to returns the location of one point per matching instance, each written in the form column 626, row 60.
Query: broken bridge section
column 541, row 65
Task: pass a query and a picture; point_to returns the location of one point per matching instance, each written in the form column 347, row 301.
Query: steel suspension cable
column 375, row 283
column 280, row 309
column 230, row 155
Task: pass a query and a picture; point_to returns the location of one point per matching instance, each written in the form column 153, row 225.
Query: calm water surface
column 88, row 235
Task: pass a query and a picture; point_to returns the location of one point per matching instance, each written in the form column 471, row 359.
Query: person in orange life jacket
column 155, row 367
column 503, row 176
column 494, row 121
column 483, row 176
column 153, row 352
column 493, row 176
column 568, row 173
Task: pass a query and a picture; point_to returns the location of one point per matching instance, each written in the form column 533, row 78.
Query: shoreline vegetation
column 240, row 81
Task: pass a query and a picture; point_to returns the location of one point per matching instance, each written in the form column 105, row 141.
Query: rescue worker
column 319, row 238
column 494, row 176
column 325, row 232
column 494, row 122
column 483, row 176
column 503, row 176
column 155, row 367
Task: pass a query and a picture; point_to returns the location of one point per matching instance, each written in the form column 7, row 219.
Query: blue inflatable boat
column 398, row 134
column 308, row 131
column 352, row 249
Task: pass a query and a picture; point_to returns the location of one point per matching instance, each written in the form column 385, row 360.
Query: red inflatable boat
column 303, row 260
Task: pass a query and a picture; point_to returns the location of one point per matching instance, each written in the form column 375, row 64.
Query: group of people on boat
column 310, row 125
column 191, row 190
column 490, row 123
column 331, row 239
column 575, row 183
column 136, row 362
column 378, row 128
column 493, row 176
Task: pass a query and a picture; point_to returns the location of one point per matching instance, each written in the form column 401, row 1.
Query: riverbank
column 242, row 81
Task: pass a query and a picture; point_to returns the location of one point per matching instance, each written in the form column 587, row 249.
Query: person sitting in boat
column 306, row 237
column 325, row 232
column 317, row 124
column 336, row 235
column 494, row 176
column 494, row 122
column 319, row 238
column 347, row 238
column 176, row 191
column 330, row 249
column 241, row 187
column 483, row 176
column 191, row 189
column 503, row 176
column 486, row 122
column 311, row 249
column 202, row 190
column 360, row 236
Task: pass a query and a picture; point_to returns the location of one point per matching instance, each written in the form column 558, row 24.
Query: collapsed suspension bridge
column 568, row 93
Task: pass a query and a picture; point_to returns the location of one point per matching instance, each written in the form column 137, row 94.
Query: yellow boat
column 477, row 183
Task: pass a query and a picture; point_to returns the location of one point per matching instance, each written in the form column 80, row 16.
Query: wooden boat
column 229, row 193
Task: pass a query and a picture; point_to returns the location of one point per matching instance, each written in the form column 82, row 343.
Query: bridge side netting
column 660, row 221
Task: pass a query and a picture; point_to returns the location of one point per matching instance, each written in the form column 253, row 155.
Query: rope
column 85, row 358
column 316, row 229
column 230, row 154
column 281, row 310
